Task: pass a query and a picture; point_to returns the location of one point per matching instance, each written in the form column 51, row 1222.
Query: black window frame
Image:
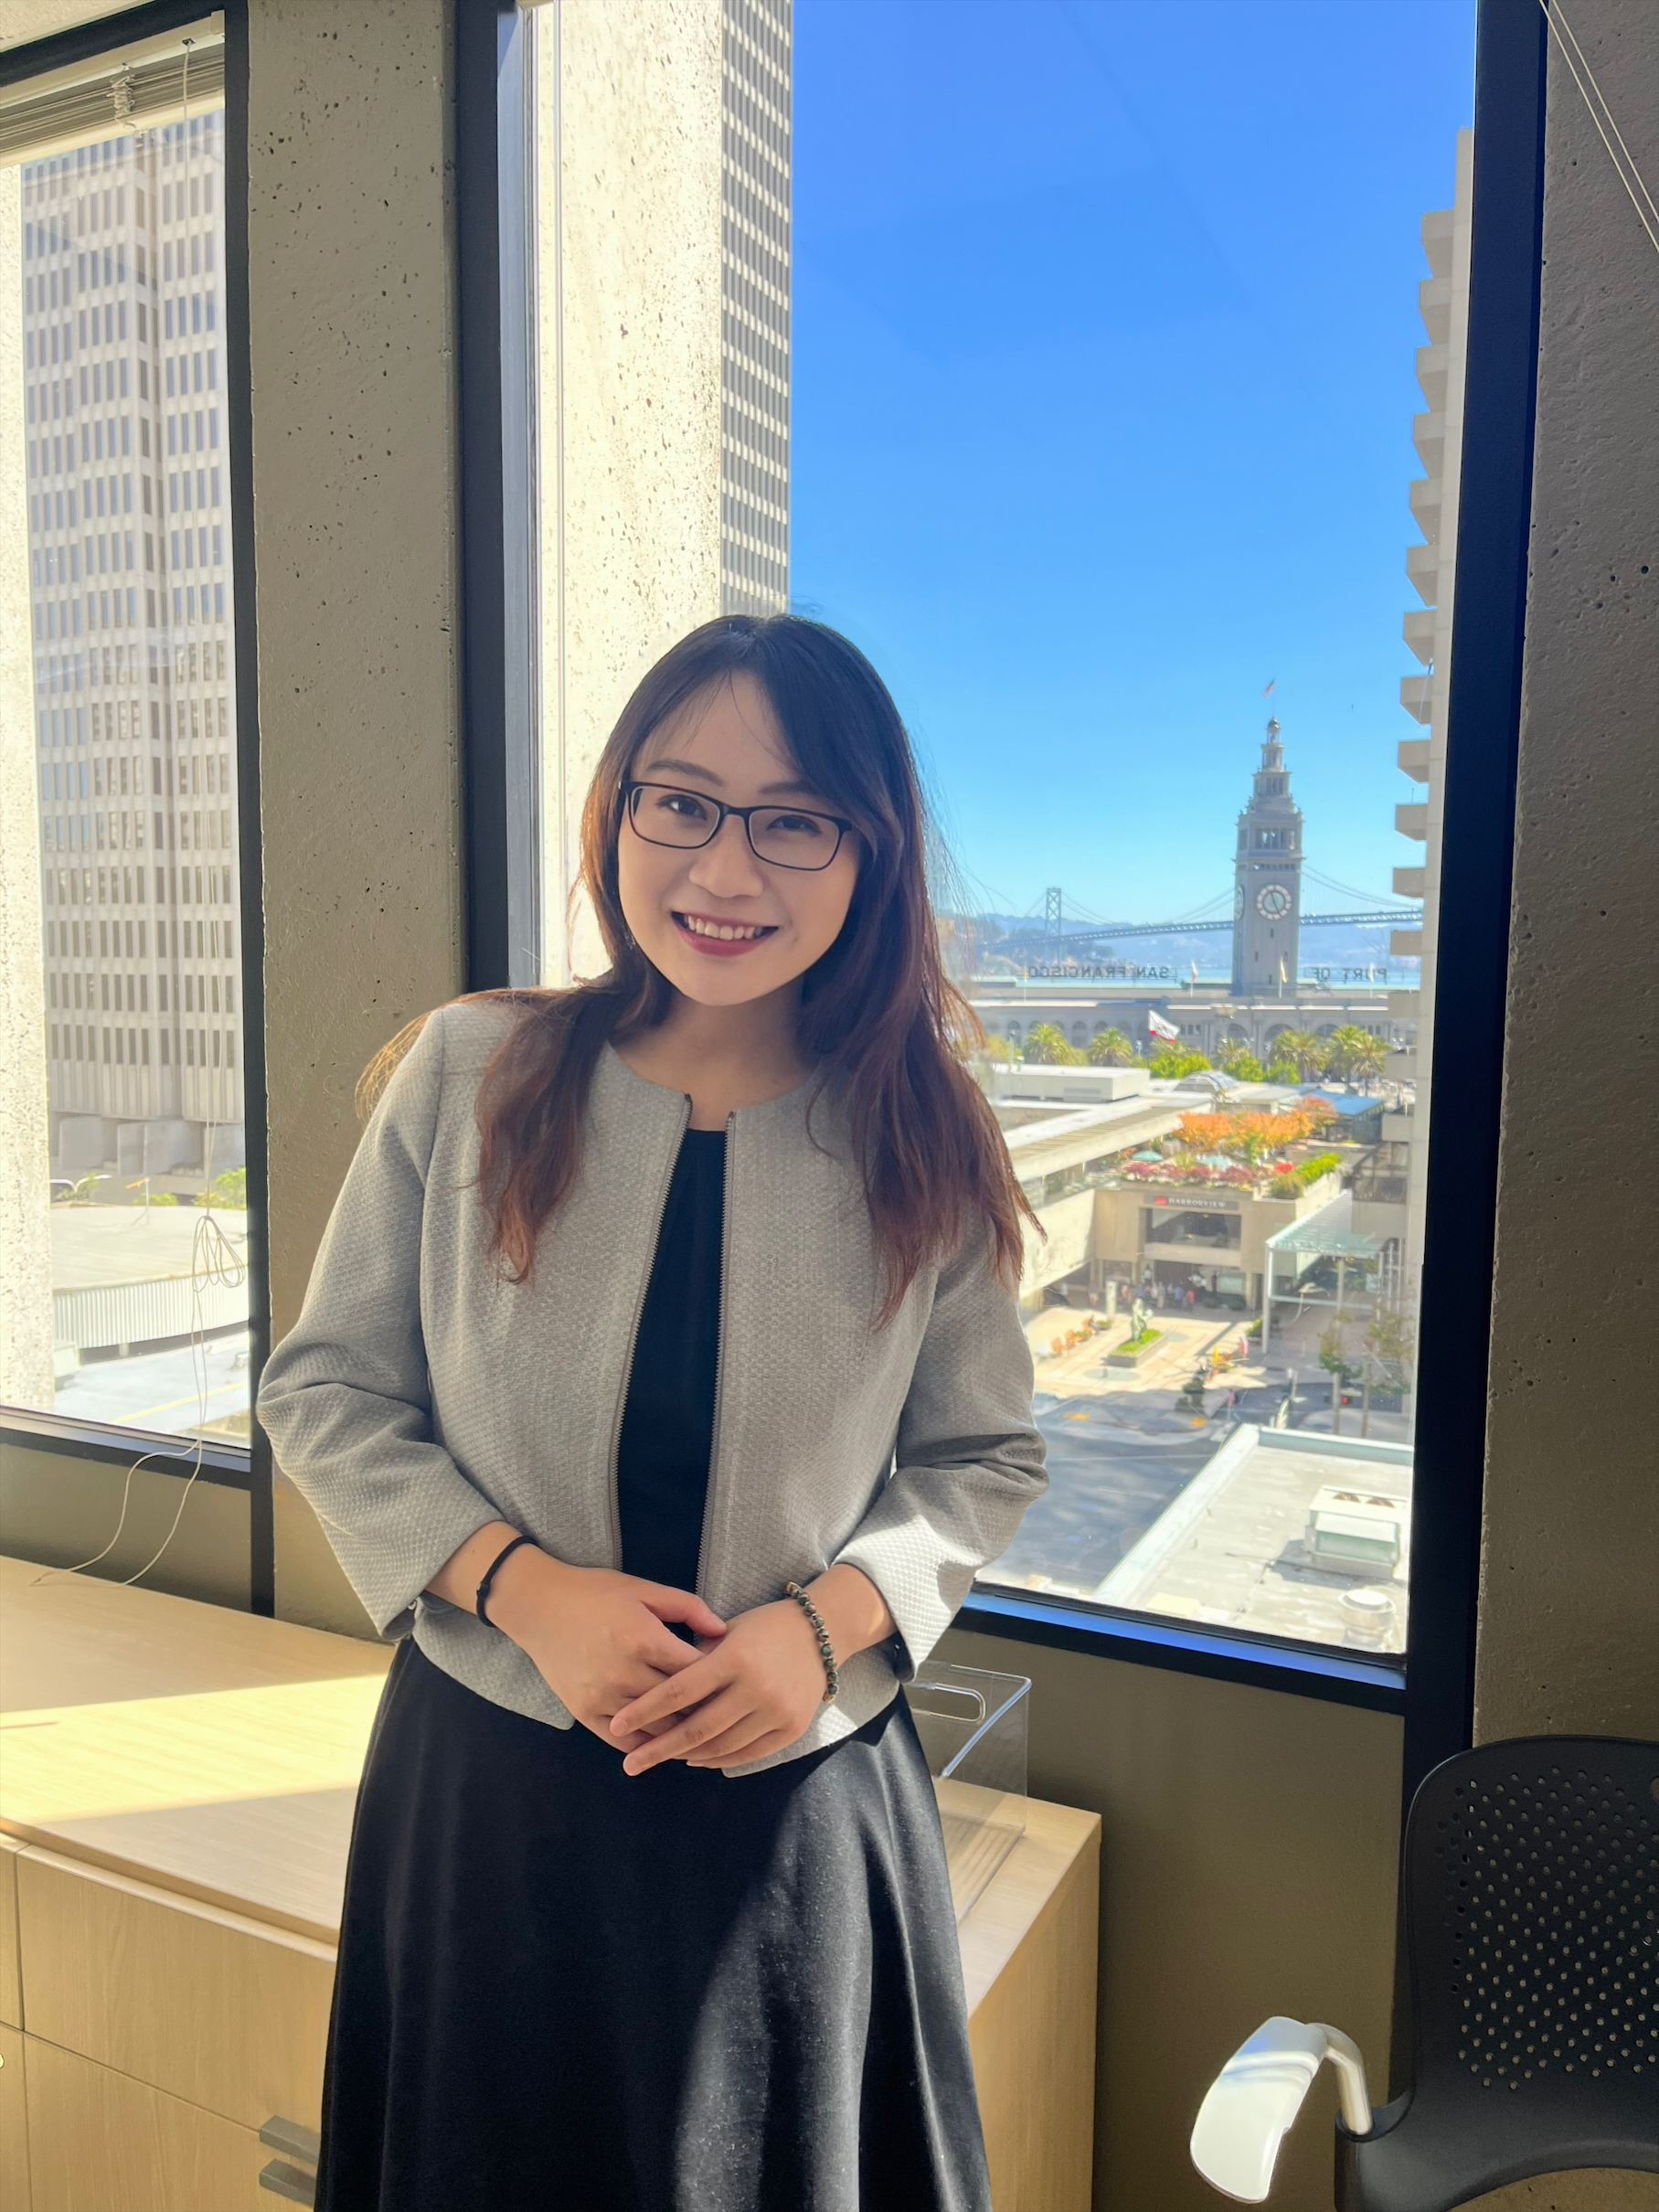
column 231, row 1466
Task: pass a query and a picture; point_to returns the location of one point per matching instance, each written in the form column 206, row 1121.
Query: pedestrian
column 628, row 1292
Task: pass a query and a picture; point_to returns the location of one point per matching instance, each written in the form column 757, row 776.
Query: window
column 1097, row 378
column 126, row 1309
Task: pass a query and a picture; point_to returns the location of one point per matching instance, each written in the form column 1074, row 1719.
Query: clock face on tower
column 1238, row 900
column 1273, row 901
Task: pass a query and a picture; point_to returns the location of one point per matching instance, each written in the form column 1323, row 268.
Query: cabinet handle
column 288, row 2135
column 291, row 2182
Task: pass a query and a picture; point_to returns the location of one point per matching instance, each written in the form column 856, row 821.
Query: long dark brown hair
column 878, row 1017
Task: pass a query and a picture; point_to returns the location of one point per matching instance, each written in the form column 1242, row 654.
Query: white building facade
column 134, row 650
column 1443, row 299
column 662, row 260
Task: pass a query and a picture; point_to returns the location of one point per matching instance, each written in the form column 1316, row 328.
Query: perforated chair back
column 1532, row 1928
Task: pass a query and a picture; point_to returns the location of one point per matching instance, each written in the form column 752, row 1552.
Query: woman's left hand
column 759, row 1688
column 749, row 1695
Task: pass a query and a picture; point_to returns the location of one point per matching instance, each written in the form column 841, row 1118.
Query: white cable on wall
column 1602, row 116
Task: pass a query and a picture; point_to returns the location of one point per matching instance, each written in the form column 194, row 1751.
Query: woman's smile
column 720, row 935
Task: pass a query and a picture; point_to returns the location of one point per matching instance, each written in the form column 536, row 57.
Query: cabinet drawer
column 14, row 2125
column 101, row 2142
column 224, row 2012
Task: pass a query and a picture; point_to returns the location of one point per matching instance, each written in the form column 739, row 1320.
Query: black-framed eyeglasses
column 784, row 836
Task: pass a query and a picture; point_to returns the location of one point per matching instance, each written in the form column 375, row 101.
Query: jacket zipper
column 613, row 1506
column 720, row 1352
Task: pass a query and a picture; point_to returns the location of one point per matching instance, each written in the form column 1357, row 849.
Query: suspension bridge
column 1052, row 932
column 1393, row 918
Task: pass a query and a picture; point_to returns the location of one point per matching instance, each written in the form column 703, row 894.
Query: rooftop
column 99, row 1246
column 1232, row 1549
column 1042, row 1138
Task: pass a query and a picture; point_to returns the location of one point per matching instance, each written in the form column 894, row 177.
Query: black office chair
column 1531, row 1923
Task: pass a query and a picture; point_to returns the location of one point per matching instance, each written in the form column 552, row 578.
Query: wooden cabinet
column 206, row 2005
column 175, row 1799
column 14, row 2125
column 103, row 2142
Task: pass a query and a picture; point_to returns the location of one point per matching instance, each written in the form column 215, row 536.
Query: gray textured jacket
column 421, row 1395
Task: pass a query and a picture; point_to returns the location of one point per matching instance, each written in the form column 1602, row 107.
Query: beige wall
column 351, row 238
column 62, row 1511
column 1248, row 1869
column 1569, row 1600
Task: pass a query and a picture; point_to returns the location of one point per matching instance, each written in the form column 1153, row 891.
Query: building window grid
column 106, row 352
column 755, row 308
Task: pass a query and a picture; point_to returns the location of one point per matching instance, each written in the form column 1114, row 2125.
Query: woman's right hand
column 598, row 1638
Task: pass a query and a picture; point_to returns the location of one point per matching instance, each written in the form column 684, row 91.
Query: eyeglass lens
column 782, row 834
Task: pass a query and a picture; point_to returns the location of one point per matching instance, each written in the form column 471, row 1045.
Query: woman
column 660, row 1384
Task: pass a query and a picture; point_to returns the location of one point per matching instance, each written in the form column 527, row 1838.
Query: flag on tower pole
column 1270, row 686
column 1158, row 1026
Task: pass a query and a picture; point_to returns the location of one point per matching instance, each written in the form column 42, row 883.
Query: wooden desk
column 177, row 1784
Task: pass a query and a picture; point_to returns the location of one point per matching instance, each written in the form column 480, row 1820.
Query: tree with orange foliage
column 1250, row 1136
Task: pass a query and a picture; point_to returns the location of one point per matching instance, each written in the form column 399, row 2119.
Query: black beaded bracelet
column 505, row 1554
column 826, row 1650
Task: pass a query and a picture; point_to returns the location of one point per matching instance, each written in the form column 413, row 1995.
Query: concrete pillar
column 25, row 1252
column 1570, row 1602
column 350, row 220
column 628, row 313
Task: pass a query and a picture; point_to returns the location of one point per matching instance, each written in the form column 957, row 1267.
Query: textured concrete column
column 1570, row 1602
column 351, row 113
column 627, row 167
column 25, row 1251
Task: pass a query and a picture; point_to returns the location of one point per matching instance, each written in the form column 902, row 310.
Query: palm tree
column 1355, row 1055
column 1308, row 1054
column 1048, row 1047
column 1109, row 1048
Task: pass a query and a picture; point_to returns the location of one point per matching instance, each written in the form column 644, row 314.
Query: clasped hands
column 745, row 1689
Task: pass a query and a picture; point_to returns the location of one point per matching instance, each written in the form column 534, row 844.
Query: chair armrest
column 1252, row 2104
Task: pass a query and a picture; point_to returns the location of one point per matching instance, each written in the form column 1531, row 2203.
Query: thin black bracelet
column 832, row 1673
column 505, row 1554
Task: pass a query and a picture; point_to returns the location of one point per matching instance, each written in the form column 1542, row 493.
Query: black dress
column 564, row 1990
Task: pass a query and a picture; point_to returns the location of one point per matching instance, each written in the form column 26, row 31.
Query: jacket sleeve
column 969, row 1461
column 345, row 1398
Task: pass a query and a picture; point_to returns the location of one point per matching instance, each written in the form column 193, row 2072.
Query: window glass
column 124, row 1102
column 1099, row 370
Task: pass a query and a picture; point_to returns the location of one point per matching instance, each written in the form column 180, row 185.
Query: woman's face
column 721, row 925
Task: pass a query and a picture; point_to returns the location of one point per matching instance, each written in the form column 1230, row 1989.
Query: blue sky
column 1105, row 325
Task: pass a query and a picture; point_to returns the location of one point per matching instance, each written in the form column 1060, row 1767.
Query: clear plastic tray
column 973, row 1726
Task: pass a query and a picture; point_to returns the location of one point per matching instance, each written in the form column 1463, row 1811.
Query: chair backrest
column 1532, row 1924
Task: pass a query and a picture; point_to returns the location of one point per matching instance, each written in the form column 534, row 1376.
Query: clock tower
column 1266, row 882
